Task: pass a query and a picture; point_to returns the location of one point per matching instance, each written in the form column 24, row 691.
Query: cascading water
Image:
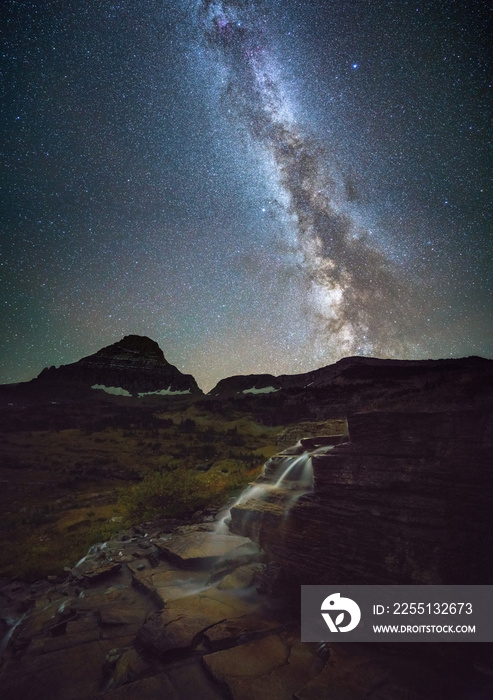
column 252, row 491
column 11, row 627
column 296, row 471
column 285, row 478
column 92, row 550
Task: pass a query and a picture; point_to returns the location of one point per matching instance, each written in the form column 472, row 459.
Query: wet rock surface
column 136, row 618
column 128, row 622
column 406, row 500
column 199, row 549
column 182, row 611
column 270, row 667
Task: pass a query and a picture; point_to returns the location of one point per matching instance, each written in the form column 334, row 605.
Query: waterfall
column 296, row 473
column 285, row 477
column 92, row 550
column 11, row 627
column 252, row 491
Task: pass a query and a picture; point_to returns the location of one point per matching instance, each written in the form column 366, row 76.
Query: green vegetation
column 69, row 488
column 33, row 552
column 181, row 492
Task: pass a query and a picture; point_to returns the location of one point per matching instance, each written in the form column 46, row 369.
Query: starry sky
column 259, row 186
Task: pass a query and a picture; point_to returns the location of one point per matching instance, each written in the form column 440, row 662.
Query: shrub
column 162, row 493
column 181, row 492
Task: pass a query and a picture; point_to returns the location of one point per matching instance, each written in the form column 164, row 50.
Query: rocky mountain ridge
column 136, row 367
column 348, row 370
column 133, row 373
column 133, row 366
column 361, row 384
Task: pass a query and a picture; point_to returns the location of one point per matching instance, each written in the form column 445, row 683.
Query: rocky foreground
column 179, row 612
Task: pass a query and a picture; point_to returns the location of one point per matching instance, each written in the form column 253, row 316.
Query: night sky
column 258, row 186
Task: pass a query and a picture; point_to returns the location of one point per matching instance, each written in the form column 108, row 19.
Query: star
column 173, row 128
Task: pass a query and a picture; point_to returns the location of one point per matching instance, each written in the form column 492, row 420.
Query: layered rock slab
column 406, row 500
column 203, row 549
column 275, row 666
column 183, row 622
column 165, row 584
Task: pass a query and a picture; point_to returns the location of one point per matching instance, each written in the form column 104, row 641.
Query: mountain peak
column 135, row 365
column 136, row 344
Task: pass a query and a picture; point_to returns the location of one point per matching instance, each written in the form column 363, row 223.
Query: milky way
column 359, row 299
column 258, row 186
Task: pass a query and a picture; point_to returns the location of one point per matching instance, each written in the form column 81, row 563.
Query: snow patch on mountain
column 263, row 390
column 114, row 390
column 164, row 392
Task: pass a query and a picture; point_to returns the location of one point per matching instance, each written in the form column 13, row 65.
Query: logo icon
column 335, row 604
